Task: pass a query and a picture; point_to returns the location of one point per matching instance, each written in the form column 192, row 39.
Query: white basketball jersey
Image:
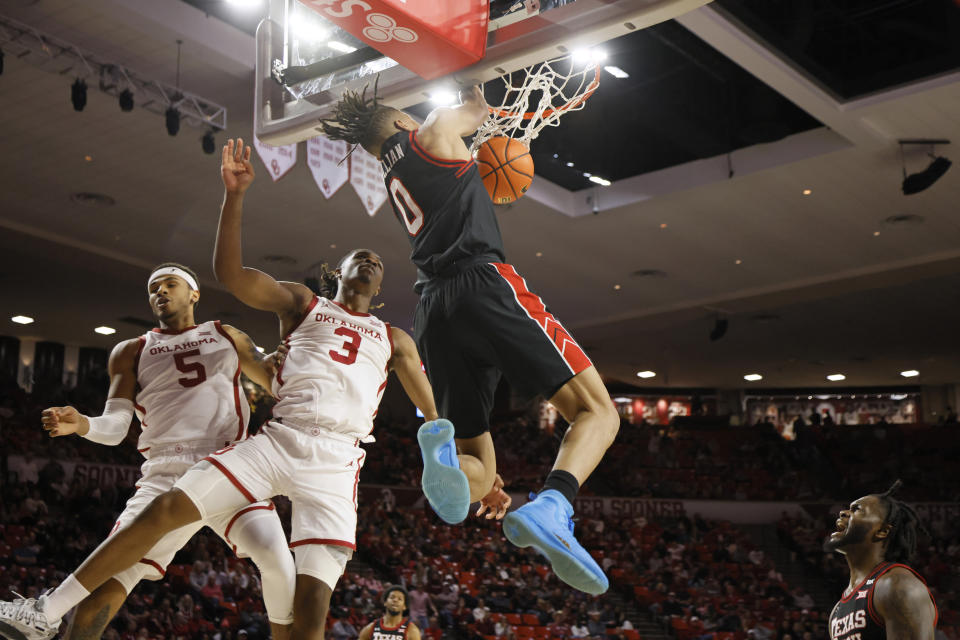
column 336, row 369
column 189, row 387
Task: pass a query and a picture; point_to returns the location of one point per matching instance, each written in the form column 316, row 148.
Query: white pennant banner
column 323, row 154
column 277, row 160
column 367, row 180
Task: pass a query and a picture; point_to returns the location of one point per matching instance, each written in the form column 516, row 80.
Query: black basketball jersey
column 399, row 632
column 854, row 618
column 442, row 204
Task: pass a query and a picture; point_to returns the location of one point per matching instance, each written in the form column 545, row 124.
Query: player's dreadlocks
column 904, row 523
column 358, row 119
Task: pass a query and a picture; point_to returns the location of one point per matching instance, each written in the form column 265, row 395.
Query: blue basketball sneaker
column 444, row 484
column 545, row 524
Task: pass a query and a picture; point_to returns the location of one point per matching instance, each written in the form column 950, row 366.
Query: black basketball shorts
column 483, row 322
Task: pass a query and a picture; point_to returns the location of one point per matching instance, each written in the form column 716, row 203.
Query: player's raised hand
column 236, row 170
column 495, row 503
column 62, row 421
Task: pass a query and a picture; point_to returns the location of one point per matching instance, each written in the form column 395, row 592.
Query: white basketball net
column 558, row 86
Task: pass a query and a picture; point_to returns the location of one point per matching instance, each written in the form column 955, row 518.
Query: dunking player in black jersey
column 885, row 598
column 392, row 625
column 477, row 320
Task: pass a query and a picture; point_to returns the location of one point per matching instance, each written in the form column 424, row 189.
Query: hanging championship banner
column 323, row 156
column 277, row 160
column 367, row 180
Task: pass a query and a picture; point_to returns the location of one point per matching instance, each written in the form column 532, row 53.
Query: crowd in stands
column 700, row 580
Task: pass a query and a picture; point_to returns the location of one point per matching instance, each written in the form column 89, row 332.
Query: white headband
column 173, row 271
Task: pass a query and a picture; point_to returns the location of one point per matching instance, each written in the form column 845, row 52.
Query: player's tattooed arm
column 905, row 606
column 254, row 364
column 406, row 364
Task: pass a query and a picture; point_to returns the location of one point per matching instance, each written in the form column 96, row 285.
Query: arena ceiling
column 853, row 277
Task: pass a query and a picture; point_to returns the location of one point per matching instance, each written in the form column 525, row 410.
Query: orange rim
column 504, row 113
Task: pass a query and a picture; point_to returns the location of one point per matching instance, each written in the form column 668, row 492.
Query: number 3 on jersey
column 351, row 346
column 410, row 211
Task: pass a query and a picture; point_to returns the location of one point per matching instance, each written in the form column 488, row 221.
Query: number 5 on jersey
column 196, row 368
column 410, row 211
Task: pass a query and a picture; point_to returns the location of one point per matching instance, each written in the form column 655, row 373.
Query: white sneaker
column 24, row 619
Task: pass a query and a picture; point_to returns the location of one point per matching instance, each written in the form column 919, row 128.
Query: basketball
column 506, row 168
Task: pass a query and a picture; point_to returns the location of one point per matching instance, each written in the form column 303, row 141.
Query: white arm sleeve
column 111, row 428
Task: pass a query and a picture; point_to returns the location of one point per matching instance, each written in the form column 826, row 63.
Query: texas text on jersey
column 381, row 632
column 854, row 616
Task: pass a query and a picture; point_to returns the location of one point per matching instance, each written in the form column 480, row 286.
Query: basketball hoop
column 563, row 85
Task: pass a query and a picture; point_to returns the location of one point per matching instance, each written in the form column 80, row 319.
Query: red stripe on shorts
column 534, row 307
column 330, row 541
column 153, row 564
column 232, row 478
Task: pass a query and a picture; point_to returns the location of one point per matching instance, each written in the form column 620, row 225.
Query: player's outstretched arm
column 112, row 426
column 406, row 364
column 443, row 131
column 250, row 286
column 905, row 605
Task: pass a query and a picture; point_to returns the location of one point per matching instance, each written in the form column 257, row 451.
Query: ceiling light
column 333, row 246
column 88, row 158
column 261, row 350
column 587, row 174
column 663, row 225
column 616, row 287
column 910, row 373
column 339, row 46
column 738, row 261
column 645, row 374
column 584, row 56
column 569, row 164
column 78, row 94
column 616, row 72
column 807, row 192
column 172, row 117
column 753, row 377
column 836, row 377
column 444, row 98
column 126, row 100
column 539, row 254
column 601, row 181
column 22, row 319
column 876, row 233
column 105, row 331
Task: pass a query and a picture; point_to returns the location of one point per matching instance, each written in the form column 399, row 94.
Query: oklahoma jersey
column 189, row 387
column 335, row 370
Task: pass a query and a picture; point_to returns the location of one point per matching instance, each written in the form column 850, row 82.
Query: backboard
column 304, row 62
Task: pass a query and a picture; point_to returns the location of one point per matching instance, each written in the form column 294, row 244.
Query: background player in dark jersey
column 477, row 320
column 885, row 598
column 392, row 625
